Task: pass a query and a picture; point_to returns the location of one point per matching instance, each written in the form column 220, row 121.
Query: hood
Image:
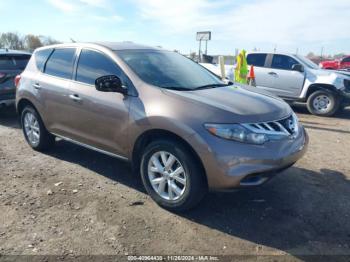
column 322, row 72
column 331, row 77
column 237, row 103
column 329, row 62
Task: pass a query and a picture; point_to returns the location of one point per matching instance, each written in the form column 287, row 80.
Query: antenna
column 73, row 41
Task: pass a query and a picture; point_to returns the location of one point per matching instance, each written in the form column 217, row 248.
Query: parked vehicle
column 297, row 79
column 12, row 63
column 338, row 64
column 184, row 129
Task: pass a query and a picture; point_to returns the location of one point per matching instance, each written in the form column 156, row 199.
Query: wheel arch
column 155, row 134
column 316, row 87
column 22, row 104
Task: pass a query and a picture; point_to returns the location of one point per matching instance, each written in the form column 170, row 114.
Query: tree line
column 29, row 42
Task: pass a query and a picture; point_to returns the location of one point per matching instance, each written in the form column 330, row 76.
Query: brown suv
column 180, row 125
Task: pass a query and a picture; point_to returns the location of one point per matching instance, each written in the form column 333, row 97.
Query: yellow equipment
column 241, row 69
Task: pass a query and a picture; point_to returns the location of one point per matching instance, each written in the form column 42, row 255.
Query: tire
column 192, row 191
column 323, row 103
column 34, row 130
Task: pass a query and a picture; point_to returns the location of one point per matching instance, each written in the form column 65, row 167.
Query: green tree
column 11, row 40
column 32, row 42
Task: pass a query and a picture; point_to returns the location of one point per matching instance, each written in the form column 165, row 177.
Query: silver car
column 298, row 79
column 184, row 129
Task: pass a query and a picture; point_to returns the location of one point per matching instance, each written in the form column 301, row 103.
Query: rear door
column 10, row 66
column 96, row 118
column 52, row 87
column 262, row 78
column 287, row 83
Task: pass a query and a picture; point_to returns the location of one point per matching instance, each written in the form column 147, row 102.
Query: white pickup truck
column 297, row 79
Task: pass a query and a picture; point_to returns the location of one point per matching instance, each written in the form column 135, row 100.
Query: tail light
column 17, row 79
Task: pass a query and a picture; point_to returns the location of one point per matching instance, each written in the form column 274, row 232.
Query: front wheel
column 172, row 176
column 323, row 103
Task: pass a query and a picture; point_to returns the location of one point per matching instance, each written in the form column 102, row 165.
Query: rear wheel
column 34, row 130
column 323, row 103
column 172, row 176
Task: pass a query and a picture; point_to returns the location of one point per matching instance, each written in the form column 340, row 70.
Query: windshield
column 308, row 62
column 168, row 70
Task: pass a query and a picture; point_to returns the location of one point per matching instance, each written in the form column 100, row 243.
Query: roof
column 124, row 45
column 13, row 52
column 271, row 53
column 113, row 46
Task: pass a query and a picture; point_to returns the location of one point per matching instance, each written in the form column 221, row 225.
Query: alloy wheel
column 167, row 175
column 31, row 128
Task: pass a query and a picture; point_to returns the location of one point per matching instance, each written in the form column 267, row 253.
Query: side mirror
column 110, row 83
column 298, row 67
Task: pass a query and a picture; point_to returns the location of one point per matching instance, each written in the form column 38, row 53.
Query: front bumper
column 230, row 164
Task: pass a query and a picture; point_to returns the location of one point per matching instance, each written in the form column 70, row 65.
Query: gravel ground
column 72, row 201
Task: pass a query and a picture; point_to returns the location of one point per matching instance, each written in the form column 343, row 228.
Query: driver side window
column 283, row 62
column 92, row 65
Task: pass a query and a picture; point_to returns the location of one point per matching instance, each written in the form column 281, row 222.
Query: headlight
column 236, row 132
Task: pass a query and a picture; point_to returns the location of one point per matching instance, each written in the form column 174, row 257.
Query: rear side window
column 283, row 62
column 41, row 58
column 6, row 63
column 15, row 62
column 256, row 59
column 60, row 63
column 93, row 64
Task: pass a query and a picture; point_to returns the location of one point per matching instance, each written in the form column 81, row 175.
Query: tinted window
column 41, row 57
column 60, row 63
column 283, row 62
column 92, row 65
column 346, row 60
column 15, row 62
column 256, row 59
column 6, row 63
column 168, row 69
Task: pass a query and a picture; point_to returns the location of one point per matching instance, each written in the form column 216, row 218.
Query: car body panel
column 113, row 123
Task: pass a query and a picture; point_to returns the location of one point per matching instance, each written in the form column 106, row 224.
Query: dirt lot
column 73, row 201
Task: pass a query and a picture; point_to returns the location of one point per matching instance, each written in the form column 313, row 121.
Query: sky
column 301, row 26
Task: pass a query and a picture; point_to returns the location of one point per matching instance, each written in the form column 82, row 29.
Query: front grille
column 285, row 127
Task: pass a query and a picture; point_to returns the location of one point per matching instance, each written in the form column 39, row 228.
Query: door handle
column 75, row 97
column 37, row 86
column 272, row 73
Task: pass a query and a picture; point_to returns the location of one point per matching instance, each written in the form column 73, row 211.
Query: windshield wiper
column 210, row 86
column 176, row 88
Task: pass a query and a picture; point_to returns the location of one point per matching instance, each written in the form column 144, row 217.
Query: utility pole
column 321, row 53
column 199, row 50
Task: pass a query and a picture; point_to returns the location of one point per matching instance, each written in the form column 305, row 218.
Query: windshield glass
column 168, row 70
column 308, row 62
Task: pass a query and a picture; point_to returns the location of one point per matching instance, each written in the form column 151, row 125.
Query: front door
column 286, row 82
column 99, row 119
